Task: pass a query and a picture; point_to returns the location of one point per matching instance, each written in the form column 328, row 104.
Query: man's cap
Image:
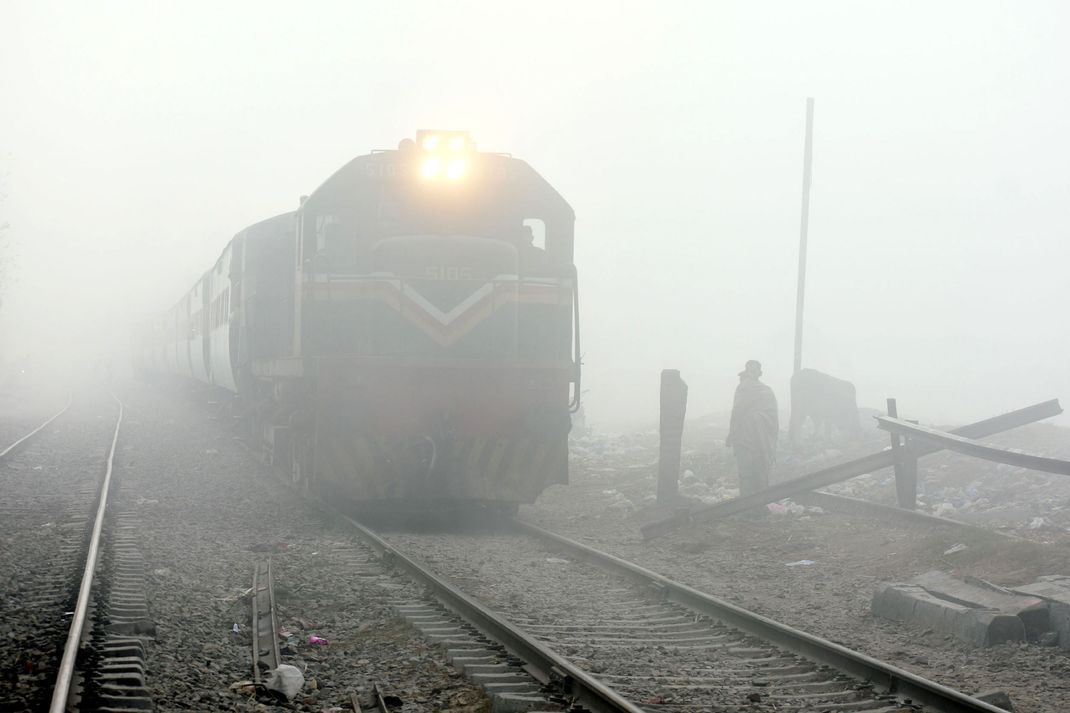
column 751, row 365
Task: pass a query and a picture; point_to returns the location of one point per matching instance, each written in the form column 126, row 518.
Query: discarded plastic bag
column 314, row 640
column 286, row 680
column 800, row 563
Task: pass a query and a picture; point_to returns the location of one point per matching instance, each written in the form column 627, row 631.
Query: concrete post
column 673, row 408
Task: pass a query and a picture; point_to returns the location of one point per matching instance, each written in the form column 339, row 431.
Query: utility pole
column 803, row 228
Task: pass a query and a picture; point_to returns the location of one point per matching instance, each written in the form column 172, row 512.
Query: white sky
column 136, row 138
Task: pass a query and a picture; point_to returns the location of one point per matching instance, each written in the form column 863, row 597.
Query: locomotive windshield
column 383, row 196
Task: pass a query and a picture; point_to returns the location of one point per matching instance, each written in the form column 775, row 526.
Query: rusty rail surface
column 971, row 447
column 843, row 471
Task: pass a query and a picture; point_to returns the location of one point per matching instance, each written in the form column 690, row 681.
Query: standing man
column 753, row 430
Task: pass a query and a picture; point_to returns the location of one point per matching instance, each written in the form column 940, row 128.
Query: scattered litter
column 786, row 507
column 957, row 547
column 314, row 640
column 815, row 509
column 556, row 560
column 800, row 563
column 944, row 509
column 235, row 628
column 286, row 680
column 619, row 503
column 1038, row 522
column 285, row 633
column 245, row 688
column 161, row 572
column 242, row 594
column 146, row 501
column 211, row 451
column 37, row 467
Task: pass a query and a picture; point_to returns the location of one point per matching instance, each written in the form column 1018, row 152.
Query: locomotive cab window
column 537, row 229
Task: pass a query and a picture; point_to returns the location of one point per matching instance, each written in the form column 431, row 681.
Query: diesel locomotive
column 408, row 335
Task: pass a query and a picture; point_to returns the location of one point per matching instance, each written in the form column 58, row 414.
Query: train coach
column 409, row 335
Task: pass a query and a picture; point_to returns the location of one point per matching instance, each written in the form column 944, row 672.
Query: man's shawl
column 755, row 423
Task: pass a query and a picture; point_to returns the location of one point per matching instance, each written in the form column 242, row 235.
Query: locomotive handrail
column 574, row 406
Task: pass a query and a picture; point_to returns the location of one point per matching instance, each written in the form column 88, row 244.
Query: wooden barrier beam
column 846, row 470
column 970, row 447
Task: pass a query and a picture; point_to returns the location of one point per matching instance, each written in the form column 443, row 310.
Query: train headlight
column 445, row 153
column 455, row 169
column 429, row 169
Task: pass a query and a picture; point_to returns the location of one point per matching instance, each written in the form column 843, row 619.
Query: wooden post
column 673, row 408
column 906, row 466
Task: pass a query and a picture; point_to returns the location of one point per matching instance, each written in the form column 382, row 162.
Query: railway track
column 63, row 630
column 15, row 446
column 265, row 624
column 609, row 635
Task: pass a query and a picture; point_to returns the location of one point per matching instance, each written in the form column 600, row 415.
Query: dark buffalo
column 826, row 401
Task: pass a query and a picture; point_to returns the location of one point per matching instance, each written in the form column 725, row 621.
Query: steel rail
column 543, row 663
column 844, row 471
column 11, row 449
column 888, row 678
column 264, row 584
column 65, row 675
column 274, row 615
column 256, row 623
column 971, row 447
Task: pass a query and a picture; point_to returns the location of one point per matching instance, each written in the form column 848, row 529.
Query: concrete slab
column 1054, row 589
column 912, row 604
column 1032, row 610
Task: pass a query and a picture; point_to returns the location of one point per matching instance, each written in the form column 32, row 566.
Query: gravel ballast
column 209, row 510
column 813, row 570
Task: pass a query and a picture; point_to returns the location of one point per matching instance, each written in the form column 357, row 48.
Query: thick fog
column 137, row 138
